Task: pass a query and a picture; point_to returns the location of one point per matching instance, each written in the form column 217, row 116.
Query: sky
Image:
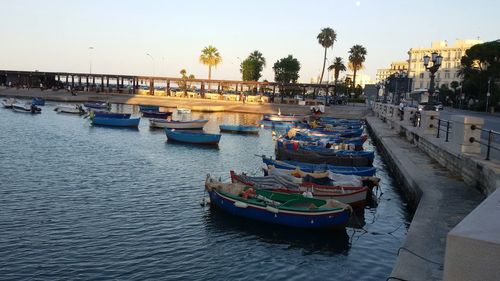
column 55, row 35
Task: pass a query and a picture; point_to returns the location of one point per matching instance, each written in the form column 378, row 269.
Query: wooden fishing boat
column 284, row 117
column 352, row 195
column 172, row 124
column 244, row 129
column 26, row 108
column 69, row 108
column 282, row 153
column 7, row 103
column 97, row 105
column 308, row 167
column 183, row 110
column 116, row 122
column 143, row 108
column 193, row 137
column 293, row 210
column 106, row 114
column 38, row 101
column 156, row 114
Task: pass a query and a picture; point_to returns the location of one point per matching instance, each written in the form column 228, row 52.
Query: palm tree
column 210, row 56
column 326, row 38
column 337, row 66
column 257, row 56
column 357, row 56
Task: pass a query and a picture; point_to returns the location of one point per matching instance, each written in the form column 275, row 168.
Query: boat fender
column 240, row 204
column 272, row 209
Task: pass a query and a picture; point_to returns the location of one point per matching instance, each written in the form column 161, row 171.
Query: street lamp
column 436, row 63
column 90, row 59
column 153, row 61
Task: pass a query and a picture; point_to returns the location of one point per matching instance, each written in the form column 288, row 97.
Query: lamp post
column 488, row 94
column 153, row 61
column 436, row 60
column 90, row 59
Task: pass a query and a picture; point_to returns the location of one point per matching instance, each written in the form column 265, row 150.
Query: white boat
column 69, row 108
column 183, row 110
column 7, row 103
column 26, row 108
column 170, row 124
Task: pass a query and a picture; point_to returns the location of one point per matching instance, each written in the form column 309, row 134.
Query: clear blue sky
column 55, row 35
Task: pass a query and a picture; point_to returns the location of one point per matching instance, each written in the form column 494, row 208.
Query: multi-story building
column 396, row 66
column 448, row 72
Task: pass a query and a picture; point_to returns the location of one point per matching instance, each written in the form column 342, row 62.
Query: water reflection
column 327, row 242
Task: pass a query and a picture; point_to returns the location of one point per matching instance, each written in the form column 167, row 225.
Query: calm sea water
column 90, row 203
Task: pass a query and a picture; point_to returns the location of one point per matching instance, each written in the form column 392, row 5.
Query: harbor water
column 79, row 202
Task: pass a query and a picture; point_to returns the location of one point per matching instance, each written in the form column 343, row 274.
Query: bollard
column 408, row 114
column 429, row 120
column 465, row 129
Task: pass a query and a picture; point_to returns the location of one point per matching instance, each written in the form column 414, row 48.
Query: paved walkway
column 444, row 202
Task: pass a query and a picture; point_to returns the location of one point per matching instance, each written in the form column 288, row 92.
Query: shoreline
column 195, row 104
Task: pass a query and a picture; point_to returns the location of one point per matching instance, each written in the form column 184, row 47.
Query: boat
column 310, row 168
column 106, row 114
column 143, row 108
column 352, row 195
column 97, row 105
column 193, row 137
column 284, row 117
column 69, row 108
column 293, row 210
column 183, row 110
column 38, row 101
column 155, row 114
column 7, row 103
column 313, row 157
column 26, row 108
column 172, row 124
column 116, row 122
column 245, row 129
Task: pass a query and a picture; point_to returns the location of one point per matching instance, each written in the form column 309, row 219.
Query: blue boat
column 292, row 210
column 245, row 129
column 38, row 101
column 193, row 137
column 149, row 108
column 116, row 122
column 155, row 114
column 311, row 168
column 97, row 105
column 103, row 114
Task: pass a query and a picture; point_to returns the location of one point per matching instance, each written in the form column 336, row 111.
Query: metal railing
column 444, row 126
column 488, row 144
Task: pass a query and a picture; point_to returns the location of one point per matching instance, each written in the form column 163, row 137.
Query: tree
column 184, row 85
column 286, row 70
column 252, row 66
column 357, row 56
column 337, row 66
column 479, row 66
column 210, row 56
column 326, row 38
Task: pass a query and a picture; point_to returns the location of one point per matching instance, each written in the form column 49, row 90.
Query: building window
column 438, row 75
column 447, row 75
column 421, row 77
column 421, row 85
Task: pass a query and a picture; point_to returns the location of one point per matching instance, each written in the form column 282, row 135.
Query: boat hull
column 26, row 108
column 284, row 118
column 110, row 115
column 70, row 109
column 156, row 114
column 116, row 122
column 191, row 125
column 38, row 101
column 327, row 219
column 192, row 137
column 241, row 129
column 310, row 168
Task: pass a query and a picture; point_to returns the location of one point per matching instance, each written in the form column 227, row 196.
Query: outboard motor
column 33, row 108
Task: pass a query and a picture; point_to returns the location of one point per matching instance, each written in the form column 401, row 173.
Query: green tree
column 337, row 66
column 184, row 85
column 252, row 66
column 210, row 56
column 357, row 56
column 286, row 70
column 326, row 38
column 479, row 66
